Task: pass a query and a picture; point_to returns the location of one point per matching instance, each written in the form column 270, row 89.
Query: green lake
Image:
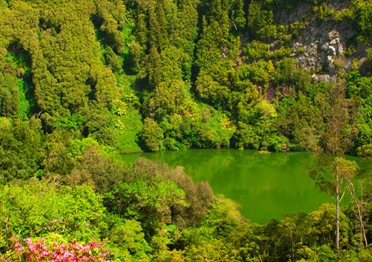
column 265, row 185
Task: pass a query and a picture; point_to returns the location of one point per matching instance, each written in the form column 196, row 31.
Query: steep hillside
column 154, row 75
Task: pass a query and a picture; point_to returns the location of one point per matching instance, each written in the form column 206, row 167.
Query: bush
column 152, row 135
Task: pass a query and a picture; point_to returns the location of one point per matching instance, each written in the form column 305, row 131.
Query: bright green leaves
column 77, row 213
column 84, row 211
column 78, row 147
column 347, row 169
column 210, row 45
column 287, row 74
column 152, row 135
column 127, row 122
column 363, row 18
column 238, row 15
column 9, row 97
column 127, row 241
column 17, row 98
column 62, row 70
column 260, row 21
column 158, row 25
column 166, row 25
column 113, row 24
column 72, row 64
column 256, row 49
column 199, row 196
column 168, row 100
column 258, row 72
column 149, row 201
column 211, row 91
column 359, row 88
column 21, row 149
column 74, row 122
column 298, row 118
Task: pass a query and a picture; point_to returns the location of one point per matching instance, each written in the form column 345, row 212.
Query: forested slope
column 154, row 75
column 81, row 81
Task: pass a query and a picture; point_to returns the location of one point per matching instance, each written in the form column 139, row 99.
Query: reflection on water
column 265, row 185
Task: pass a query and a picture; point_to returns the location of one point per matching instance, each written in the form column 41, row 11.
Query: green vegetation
column 200, row 71
column 81, row 81
column 150, row 212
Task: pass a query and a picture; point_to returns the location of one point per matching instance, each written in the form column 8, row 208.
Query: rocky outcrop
column 321, row 38
column 321, row 45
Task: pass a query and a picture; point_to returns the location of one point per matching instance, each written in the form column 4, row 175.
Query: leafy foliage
column 82, row 81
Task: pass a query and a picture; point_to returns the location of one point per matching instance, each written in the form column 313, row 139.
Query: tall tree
column 335, row 139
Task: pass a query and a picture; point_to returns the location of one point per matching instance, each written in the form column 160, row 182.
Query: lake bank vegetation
column 150, row 212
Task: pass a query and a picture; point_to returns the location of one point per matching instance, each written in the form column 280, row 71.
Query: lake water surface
column 265, row 185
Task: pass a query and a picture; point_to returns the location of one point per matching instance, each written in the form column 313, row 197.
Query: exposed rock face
column 320, row 43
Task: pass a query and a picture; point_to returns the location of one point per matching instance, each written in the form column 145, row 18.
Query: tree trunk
column 359, row 215
column 337, row 214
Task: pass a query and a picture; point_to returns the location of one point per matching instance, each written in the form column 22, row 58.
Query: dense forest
column 83, row 81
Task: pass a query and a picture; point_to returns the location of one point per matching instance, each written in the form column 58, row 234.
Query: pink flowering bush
column 74, row 252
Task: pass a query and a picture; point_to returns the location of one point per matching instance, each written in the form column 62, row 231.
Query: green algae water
column 265, row 185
